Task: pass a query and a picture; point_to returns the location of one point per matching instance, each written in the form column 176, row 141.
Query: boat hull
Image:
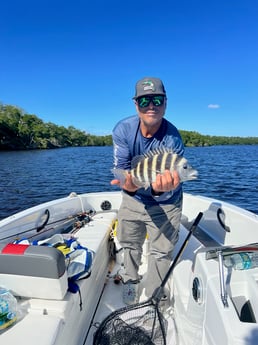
column 195, row 310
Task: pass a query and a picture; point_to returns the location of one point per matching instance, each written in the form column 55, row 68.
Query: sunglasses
column 144, row 101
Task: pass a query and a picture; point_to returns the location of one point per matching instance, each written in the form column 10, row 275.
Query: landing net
column 140, row 324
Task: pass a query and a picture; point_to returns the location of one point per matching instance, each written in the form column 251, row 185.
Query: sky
column 75, row 63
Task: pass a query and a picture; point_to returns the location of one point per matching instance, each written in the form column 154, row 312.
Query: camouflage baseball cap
column 149, row 86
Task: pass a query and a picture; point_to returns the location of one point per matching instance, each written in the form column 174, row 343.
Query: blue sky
column 76, row 62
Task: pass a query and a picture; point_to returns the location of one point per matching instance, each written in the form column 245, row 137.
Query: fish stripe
column 163, row 162
column 173, row 162
column 138, row 171
column 168, row 161
column 145, row 174
column 158, row 163
column 177, row 161
column 133, row 173
column 154, row 170
column 146, row 170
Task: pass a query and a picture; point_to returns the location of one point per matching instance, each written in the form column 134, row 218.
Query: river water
column 27, row 178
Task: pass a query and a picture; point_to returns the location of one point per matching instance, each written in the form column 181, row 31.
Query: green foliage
column 196, row 139
column 21, row 131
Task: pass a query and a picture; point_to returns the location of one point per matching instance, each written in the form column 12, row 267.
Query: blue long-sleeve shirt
column 129, row 142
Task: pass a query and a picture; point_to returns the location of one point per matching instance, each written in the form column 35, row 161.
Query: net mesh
column 140, row 324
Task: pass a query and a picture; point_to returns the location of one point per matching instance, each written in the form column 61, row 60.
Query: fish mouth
column 193, row 175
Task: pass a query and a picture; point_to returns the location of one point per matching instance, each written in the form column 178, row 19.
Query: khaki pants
column 161, row 222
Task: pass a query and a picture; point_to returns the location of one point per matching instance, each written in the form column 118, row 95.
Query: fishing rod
column 79, row 216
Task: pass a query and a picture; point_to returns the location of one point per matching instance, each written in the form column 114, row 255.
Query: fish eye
column 185, row 166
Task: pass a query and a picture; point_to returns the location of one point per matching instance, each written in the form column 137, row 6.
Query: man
column 157, row 209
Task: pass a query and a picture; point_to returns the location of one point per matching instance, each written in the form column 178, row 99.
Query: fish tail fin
column 120, row 175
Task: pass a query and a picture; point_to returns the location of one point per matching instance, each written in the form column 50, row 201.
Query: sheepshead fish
column 145, row 168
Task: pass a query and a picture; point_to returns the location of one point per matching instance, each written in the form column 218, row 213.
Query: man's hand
column 128, row 184
column 166, row 182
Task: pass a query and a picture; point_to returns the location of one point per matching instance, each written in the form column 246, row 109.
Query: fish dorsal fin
column 136, row 160
column 157, row 151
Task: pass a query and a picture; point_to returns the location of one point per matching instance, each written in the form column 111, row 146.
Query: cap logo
column 148, row 85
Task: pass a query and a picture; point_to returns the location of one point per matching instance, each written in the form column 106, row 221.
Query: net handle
column 172, row 266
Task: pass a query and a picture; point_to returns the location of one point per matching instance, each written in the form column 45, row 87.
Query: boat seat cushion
column 33, row 271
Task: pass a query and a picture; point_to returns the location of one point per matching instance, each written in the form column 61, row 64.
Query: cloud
column 213, row 106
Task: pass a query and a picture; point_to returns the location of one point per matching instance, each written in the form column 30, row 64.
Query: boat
column 212, row 290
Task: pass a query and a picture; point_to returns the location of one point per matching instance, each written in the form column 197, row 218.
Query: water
column 27, row 178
